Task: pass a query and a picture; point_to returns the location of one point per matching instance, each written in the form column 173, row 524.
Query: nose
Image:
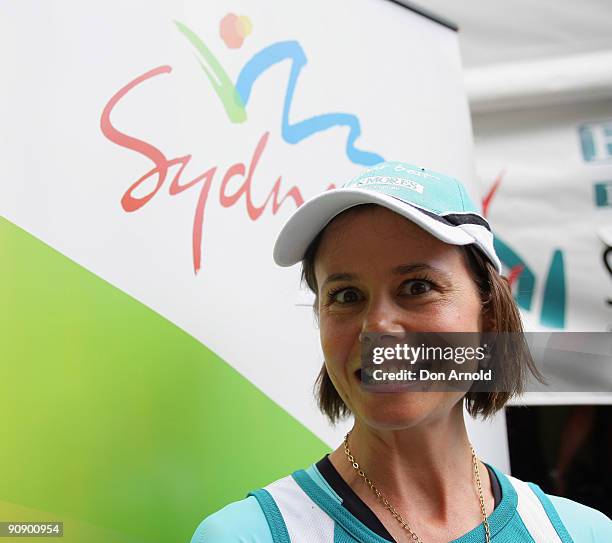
column 384, row 318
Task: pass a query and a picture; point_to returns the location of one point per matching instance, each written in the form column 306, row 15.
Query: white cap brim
column 311, row 217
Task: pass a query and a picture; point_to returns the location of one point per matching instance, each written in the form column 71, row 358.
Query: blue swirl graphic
column 294, row 133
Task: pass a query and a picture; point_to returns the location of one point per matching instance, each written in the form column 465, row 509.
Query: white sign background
column 398, row 72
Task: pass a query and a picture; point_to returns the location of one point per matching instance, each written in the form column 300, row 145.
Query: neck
column 428, row 466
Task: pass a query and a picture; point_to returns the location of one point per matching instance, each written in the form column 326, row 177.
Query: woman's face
column 379, row 272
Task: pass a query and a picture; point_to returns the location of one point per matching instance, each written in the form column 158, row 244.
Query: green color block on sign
column 115, row 421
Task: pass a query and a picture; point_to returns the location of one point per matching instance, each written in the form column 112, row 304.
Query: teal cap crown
column 429, row 190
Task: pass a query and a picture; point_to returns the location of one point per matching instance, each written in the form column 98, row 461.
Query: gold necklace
column 392, row 509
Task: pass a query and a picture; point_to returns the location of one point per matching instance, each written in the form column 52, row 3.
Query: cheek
column 336, row 351
column 461, row 313
column 334, row 348
column 339, row 342
column 471, row 316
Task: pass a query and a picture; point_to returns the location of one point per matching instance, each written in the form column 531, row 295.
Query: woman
column 401, row 249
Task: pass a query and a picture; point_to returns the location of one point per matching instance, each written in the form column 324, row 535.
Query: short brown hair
column 500, row 308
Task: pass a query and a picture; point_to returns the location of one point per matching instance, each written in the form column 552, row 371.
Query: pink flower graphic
column 234, row 29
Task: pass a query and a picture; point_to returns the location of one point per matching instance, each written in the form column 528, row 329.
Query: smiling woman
column 453, row 289
column 401, row 249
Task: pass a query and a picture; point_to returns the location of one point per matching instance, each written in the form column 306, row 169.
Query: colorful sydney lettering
column 234, row 99
column 203, row 182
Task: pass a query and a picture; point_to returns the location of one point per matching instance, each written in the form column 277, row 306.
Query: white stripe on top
column 533, row 514
column 306, row 522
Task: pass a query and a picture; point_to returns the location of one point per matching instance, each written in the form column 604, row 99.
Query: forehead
column 374, row 236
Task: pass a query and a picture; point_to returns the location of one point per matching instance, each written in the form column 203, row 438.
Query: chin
column 394, row 411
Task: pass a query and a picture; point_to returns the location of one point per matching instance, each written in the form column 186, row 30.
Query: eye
column 343, row 296
column 416, row 287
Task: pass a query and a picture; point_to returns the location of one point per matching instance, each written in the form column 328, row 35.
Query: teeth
column 369, row 370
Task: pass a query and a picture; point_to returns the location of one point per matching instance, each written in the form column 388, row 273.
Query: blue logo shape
column 596, row 141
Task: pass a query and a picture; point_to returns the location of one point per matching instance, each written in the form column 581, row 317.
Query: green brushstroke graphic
column 222, row 84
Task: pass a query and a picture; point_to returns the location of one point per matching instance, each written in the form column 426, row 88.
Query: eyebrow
column 402, row 269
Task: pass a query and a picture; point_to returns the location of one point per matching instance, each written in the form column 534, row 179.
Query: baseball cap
column 436, row 202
